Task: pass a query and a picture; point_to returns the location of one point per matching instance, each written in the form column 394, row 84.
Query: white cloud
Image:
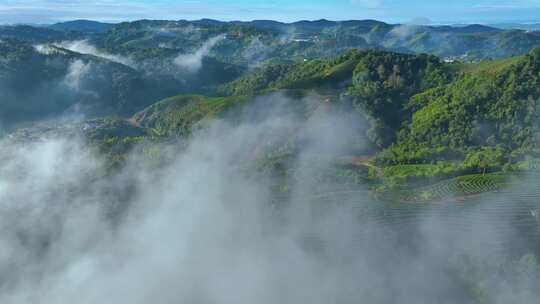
column 45, row 49
column 192, row 62
column 199, row 229
column 508, row 5
column 84, row 47
column 369, row 3
column 77, row 72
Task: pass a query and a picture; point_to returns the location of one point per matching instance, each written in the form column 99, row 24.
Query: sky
column 394, row 11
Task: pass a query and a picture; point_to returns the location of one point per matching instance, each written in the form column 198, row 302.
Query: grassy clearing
column 486, row 66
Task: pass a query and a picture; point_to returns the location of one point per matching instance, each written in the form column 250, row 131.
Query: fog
column 405, row 31
column 38, row 100
column 201, row 226
column 77, row 71
column 172, row 31
column 192, row 62
column 85, row 47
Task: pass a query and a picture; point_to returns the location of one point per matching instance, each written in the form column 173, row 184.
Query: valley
column 397, row 163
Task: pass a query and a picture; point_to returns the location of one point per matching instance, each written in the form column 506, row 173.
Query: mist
column 84, row 47
column 201, row 226
column 256, row 52
column 192, row 62
column 45, row 49
column 77, row 71
column 405, row 31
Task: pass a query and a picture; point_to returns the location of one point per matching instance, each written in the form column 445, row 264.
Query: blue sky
column 438, row 11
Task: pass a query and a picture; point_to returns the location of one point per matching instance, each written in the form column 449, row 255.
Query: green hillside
column 44, row 81
column 491, row 110
column 377, row 83
column 204, row 161
column 179, row 115
column 430, row 118
column 255, row 43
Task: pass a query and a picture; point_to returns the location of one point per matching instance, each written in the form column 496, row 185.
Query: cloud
column 420, row 21
column 84, row 47
column 192, row 62
column 200, row 227
column 410, row 28
column 404, row 31
column 44, row 49
column 174, row 31
column 369, row 3
column 508, row 5
column 257, row 51
column 77, row 72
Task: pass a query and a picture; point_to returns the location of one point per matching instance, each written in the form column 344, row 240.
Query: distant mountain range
column 250, row 43
column 91, row 26
column 455, row 99
column 143, row 61
column 87, row 26
column 518, row 26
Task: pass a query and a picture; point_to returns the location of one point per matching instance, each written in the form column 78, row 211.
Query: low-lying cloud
column 84, row 47
column 200, row 227
column 77, row 72
column 405, row 31
column 256, row 52
column 45, row 49
column 192, row 62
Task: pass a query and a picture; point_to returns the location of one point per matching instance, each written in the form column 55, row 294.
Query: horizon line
column 438, row 23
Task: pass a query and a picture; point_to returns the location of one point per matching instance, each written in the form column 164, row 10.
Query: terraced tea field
column 462, row 214
column 458, row 187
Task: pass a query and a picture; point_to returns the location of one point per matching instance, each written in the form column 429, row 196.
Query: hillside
column 85, row 26
column 256, row 42
column 45, row 81
column 180, row 115
column 36, row 34
column 491, row 108
column 482, row 115
column 458, row 116
column 39, row 80
column 315, row 161
column 378, row 83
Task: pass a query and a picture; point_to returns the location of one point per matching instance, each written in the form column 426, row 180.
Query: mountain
column 471, row 28
column 85, row 26
column 36, row 34
column 415, row 102
column 517, row 26
column 45, row 80
column 423, row 110
column 378, row 83
column 49, row 72
column 264, row 24
column 368, row 161
column 419, row 119
column 180, row 115
column 493, row 107
column 256, row 42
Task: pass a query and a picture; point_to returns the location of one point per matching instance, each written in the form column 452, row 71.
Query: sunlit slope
column 179, row 115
